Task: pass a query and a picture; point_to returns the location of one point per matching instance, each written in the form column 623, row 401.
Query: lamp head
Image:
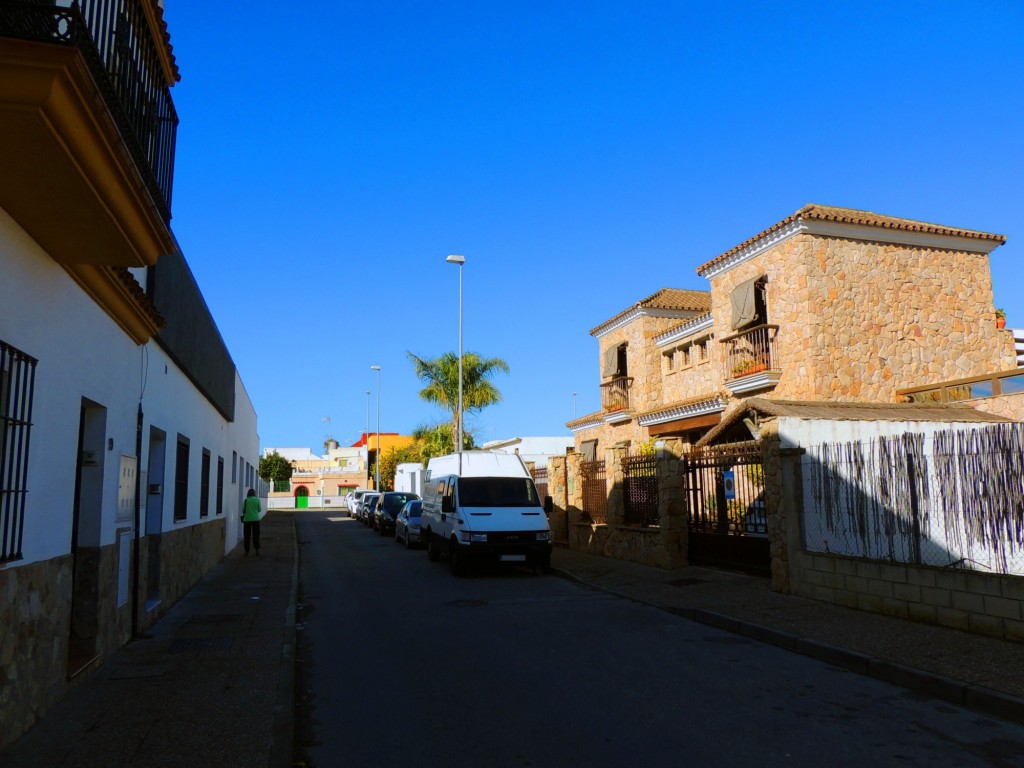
column 374, row 367
column 456, row 259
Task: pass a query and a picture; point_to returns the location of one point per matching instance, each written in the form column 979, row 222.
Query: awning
column 744, row 306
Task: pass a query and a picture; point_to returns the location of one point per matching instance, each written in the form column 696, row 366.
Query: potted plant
column 1000, row 319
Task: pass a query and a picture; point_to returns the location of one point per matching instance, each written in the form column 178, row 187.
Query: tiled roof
column 850, row 411
column 676, row 299
column 815, row 212
column 131, row 285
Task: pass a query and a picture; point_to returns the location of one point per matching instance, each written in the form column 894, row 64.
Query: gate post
column 783, row 486
column 557, row 491
column 616, row 485
column 573, row 495
column 672, row 513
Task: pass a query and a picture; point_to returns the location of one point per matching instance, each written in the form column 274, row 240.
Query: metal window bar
column 595, row 491
column 640, row 491
column 750, row 351
column 615, row 394
column 17, row 388
column 114, row 40
column 725, row 490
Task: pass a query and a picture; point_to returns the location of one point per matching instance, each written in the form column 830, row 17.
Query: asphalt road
column 403, row 664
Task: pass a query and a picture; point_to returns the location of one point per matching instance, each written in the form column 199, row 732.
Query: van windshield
column 497, row 492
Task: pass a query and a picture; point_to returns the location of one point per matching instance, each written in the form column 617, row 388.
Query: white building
column 128, row 440
column 532, row 449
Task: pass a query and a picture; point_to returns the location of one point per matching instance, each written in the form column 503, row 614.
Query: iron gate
column 725, row 495
column 640, row 491
column 595, row 490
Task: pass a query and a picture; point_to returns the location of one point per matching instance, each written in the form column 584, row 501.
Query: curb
column 283, row 727
column 975, row 697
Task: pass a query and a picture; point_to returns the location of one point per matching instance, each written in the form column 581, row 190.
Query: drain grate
column 686, row 582
column 216, row 618
column 198, row 644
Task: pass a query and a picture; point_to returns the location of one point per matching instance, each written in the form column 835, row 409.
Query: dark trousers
column 251, row 533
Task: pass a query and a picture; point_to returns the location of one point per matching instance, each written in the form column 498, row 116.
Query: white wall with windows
column 90, row 373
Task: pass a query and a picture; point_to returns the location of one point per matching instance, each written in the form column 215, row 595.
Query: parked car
column 387, row 509
column 366, row 508
column 354, row 502
column 407, row 524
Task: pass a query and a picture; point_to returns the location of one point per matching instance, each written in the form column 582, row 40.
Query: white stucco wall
column 82, row 353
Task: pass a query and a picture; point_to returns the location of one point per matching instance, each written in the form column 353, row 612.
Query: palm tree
column 441, row 376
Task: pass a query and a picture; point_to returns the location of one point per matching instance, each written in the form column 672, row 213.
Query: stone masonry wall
column 1010, row 406
column 186, row 555
column 35, row 600
column 859, row 320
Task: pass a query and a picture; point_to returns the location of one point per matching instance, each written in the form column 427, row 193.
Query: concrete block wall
column 983, row 603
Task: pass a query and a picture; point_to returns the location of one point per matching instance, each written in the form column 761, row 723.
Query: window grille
column 17, row 384
column 204, row 485
column 181, row 480
column 220, row 485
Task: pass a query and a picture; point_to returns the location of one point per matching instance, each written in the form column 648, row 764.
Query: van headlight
column 469, row 537
column 543, row 535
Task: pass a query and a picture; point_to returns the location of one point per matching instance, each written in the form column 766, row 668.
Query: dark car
column 388, row 506
column 407, row 524
column 366, row 508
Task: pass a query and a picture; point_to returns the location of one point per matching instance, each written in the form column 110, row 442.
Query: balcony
column 615, row 398
column 89, row 130
column 750, row 359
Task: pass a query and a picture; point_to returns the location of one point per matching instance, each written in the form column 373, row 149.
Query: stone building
column 829, row 304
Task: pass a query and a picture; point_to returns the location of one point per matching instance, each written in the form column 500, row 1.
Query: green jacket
column 251, row 509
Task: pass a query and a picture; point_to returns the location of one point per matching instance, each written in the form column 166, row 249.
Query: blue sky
column 581, row 155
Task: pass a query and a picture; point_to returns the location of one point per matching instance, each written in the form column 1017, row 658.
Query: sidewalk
column 209, row 684
column 977, row 672
column 212, row 683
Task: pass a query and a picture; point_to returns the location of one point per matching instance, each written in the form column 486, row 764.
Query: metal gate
column 640, row 490
column 595, row 490
column 725, row 495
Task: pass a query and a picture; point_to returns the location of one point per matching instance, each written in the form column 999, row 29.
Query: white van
column 482, row 505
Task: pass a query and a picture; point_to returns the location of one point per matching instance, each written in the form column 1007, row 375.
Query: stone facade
column 38, row 655
column 1010, row 406
column 859, row 320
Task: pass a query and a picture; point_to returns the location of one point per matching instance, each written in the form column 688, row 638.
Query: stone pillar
column 672, row 512
column 573, row 495
column 615, row 476
column 783, row 486
column 558, row 491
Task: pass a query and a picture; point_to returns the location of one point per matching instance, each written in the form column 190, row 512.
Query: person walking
column 251, row 521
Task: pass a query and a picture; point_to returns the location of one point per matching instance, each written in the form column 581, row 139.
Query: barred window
column 204, row 485
column 17, row 383
column 220, row 485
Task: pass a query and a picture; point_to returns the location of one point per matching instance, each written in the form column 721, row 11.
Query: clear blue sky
column 581, row 155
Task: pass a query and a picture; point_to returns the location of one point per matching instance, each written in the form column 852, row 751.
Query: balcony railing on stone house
column 750, row 351
column 615, row 394
column 116, row 44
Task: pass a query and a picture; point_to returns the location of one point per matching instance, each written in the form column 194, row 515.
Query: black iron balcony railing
column 615, row 393
column 114, row 39
column 750, row 351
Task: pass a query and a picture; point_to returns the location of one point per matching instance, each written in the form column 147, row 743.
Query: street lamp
column 574, row 406
column 366, row 436
column 460, row 260
column 376, row 486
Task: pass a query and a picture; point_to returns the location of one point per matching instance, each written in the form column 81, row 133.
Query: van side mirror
column 447, row 504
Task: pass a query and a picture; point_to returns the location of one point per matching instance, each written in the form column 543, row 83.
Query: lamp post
column 376, row 486
column 460, row 260
column 574, row 406
column 366, row 436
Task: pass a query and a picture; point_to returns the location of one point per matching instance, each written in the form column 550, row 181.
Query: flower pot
column 1000, row 322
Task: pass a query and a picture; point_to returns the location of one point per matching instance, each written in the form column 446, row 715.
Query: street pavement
column 212, row 683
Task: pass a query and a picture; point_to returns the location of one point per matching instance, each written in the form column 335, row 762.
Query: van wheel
column 433, row 553
column 456, row 560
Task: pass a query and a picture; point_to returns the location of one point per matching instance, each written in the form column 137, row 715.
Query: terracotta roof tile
column 678, row 299
column 815, row 212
